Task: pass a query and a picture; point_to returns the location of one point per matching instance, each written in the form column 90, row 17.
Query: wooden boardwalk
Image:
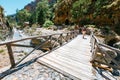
column 72, row 59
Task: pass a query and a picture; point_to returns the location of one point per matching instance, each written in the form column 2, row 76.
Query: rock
column 111, row 39
column 35, row 71
column 117, row 45
column 46, row 46
column 53, row 28
column 53, row 75
column 101, row 56
column 15, row 79
column 112, row 54
column 57, row 78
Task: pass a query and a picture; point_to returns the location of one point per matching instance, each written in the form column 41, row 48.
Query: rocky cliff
column 31, row 6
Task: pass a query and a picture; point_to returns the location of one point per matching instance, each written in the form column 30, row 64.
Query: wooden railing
column 60, row 38
column 104, row 56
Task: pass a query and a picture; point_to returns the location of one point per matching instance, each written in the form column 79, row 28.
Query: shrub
column 47, row 23
column 1, row 51
column 34, row 25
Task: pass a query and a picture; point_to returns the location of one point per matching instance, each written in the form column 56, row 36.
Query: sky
column 10, row 6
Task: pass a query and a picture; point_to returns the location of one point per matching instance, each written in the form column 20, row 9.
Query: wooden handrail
column 31, row 37
column 95, row 45
column 104, row 45
column 112, row 48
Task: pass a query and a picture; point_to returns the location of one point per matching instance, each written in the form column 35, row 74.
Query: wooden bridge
column 74, row 57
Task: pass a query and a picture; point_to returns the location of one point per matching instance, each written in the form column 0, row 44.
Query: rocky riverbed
column 36, row 71
column 4, row 57
column 18, row 51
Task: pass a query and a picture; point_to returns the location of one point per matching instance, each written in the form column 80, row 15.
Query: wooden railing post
column 71, row 35
column 76, row 33
column 67, row 37
column 11, row 57
column 61, row 39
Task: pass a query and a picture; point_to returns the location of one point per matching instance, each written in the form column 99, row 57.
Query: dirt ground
column 4, row 57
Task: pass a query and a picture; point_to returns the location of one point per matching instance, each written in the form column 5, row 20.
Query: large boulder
column 48, row 45
column 104, row 57
column 111, row 40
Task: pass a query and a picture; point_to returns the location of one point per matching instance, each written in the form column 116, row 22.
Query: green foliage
column 85, row 21
column 99, row 5
column 11, row 20
column 96, row 12
column 47, row 23
column 79, row 9
column 117, row 27
column 106, row 30
column 42, row 12
column 34, row 25
column 1, row 37
column 1, row 51
column 33, row 18
column 23, row 16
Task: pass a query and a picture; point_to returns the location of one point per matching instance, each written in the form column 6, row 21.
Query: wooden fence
column 104, row 56
column 60, row 38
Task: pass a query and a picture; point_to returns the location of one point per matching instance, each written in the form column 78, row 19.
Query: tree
column 114, row 9
column 33, row 18
column 42, row 12
column 23, row 16
column 79, row 10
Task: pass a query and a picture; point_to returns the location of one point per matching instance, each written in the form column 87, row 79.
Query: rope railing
column 104, row 56
column 59, row 39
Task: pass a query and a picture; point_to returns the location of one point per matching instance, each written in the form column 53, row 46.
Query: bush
column 35, row 26
column 1, row 51
column 47, row 23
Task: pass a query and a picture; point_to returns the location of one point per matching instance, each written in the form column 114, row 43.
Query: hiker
column 84, row 32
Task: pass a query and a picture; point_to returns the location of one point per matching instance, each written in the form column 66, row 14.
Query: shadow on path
column 9, row 71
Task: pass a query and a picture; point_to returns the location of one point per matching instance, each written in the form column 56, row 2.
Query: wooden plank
column 64, row 60
column 67, row 70
column 78, row 67
column 74, row 56
column 58, row 69
column 81, row 52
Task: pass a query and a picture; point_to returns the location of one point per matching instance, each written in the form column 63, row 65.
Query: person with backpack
column 83, row 32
